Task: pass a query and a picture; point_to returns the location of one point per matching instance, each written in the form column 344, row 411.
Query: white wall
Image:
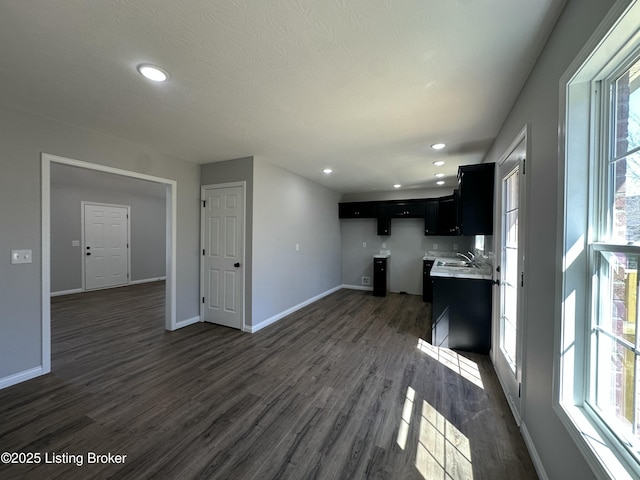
column 538, row 105
column 23, row 138
column 289, row 210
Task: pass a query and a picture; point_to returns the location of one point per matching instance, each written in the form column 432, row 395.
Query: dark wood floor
column 346, row 388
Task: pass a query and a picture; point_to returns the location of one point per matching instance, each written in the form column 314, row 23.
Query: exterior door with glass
column 510, row 272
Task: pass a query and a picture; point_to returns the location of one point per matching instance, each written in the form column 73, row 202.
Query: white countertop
column 483, row 272
column 381, row 255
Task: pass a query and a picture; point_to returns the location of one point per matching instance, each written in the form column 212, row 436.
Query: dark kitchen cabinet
column 448, row 215
column 384, row 219
column 427, row 287
column 431, row 217
column 461, row 314
column 475, row 202
column 441, row 216
column 379, row 277
column 357, row 210
column 408, row 209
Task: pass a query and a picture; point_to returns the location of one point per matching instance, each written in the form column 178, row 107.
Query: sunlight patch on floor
column 452, row 360
column 443, row 451
column 405, row 422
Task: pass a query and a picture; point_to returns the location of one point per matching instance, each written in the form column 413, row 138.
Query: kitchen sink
column 454, row 263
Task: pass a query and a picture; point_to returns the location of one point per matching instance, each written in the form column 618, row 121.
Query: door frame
column 242, row 184
column 171, row 248
column 523, row 135
column 83, row 203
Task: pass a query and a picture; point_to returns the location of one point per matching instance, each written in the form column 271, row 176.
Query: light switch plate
column 75, row 243
column 21, row 256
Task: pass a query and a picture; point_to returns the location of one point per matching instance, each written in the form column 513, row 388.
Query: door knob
column 236, row 264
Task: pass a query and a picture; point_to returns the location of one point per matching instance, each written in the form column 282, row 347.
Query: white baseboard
column 132, row 282
column 535, row 458
column 20, row 377
column 358, row 287
column 514, row 410
column 147, row 280
column 186, row 322
column 275, row 318
column 66, row 292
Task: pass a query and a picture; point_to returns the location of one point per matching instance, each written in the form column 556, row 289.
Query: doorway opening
column 170, row 250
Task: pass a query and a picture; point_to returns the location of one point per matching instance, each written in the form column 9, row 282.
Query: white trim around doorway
column 171, row 249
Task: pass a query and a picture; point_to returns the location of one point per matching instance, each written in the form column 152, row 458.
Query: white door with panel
column 106, row 245
column 223, row 255
column 510, row 260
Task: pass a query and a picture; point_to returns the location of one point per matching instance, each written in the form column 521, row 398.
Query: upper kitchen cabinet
column 406, row 209
column 448, row 215
column 357, row 210
column 441, row 216
column 384, row 219
column 475, row 202
column 431, row 216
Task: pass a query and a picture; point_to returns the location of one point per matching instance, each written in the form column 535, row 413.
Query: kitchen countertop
column 381, row 255
column 483, row 272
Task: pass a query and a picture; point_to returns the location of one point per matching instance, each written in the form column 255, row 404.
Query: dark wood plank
column 320, row 394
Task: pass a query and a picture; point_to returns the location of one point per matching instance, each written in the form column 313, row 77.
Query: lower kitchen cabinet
column 379, row 277
column 461, row 314
column 427, row 287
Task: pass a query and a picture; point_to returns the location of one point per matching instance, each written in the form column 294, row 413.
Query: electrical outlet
column 364, row 244
column 455, row 246
column 384, row 244
column 20, row 256
column 366, row 280
column 435, row 246
column 297, row 247
column 75, row 243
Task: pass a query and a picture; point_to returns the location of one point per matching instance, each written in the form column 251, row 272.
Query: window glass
column 614, row 343
column 627, row 111
column 625, row 167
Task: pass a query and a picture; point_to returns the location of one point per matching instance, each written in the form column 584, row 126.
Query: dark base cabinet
column 461, row 314
column 379, row 277
column 427, row 287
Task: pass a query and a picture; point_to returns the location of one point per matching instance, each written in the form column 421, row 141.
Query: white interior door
column 510, row 259
column 105, row 246
column 223, row 255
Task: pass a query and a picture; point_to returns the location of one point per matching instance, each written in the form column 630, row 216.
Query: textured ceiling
column 362, row 86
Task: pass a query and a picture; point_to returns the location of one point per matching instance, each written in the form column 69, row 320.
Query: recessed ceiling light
column 152, row 72
column 439, row 175
column 438, row 146
column 438, row 163
column 397, row 185
column 440, row 182
column 327, row 171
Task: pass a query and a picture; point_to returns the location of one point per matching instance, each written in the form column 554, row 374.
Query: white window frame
column 582, row 205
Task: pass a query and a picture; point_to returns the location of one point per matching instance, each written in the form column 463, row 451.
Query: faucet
column 469, row 257
column 470, row 260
